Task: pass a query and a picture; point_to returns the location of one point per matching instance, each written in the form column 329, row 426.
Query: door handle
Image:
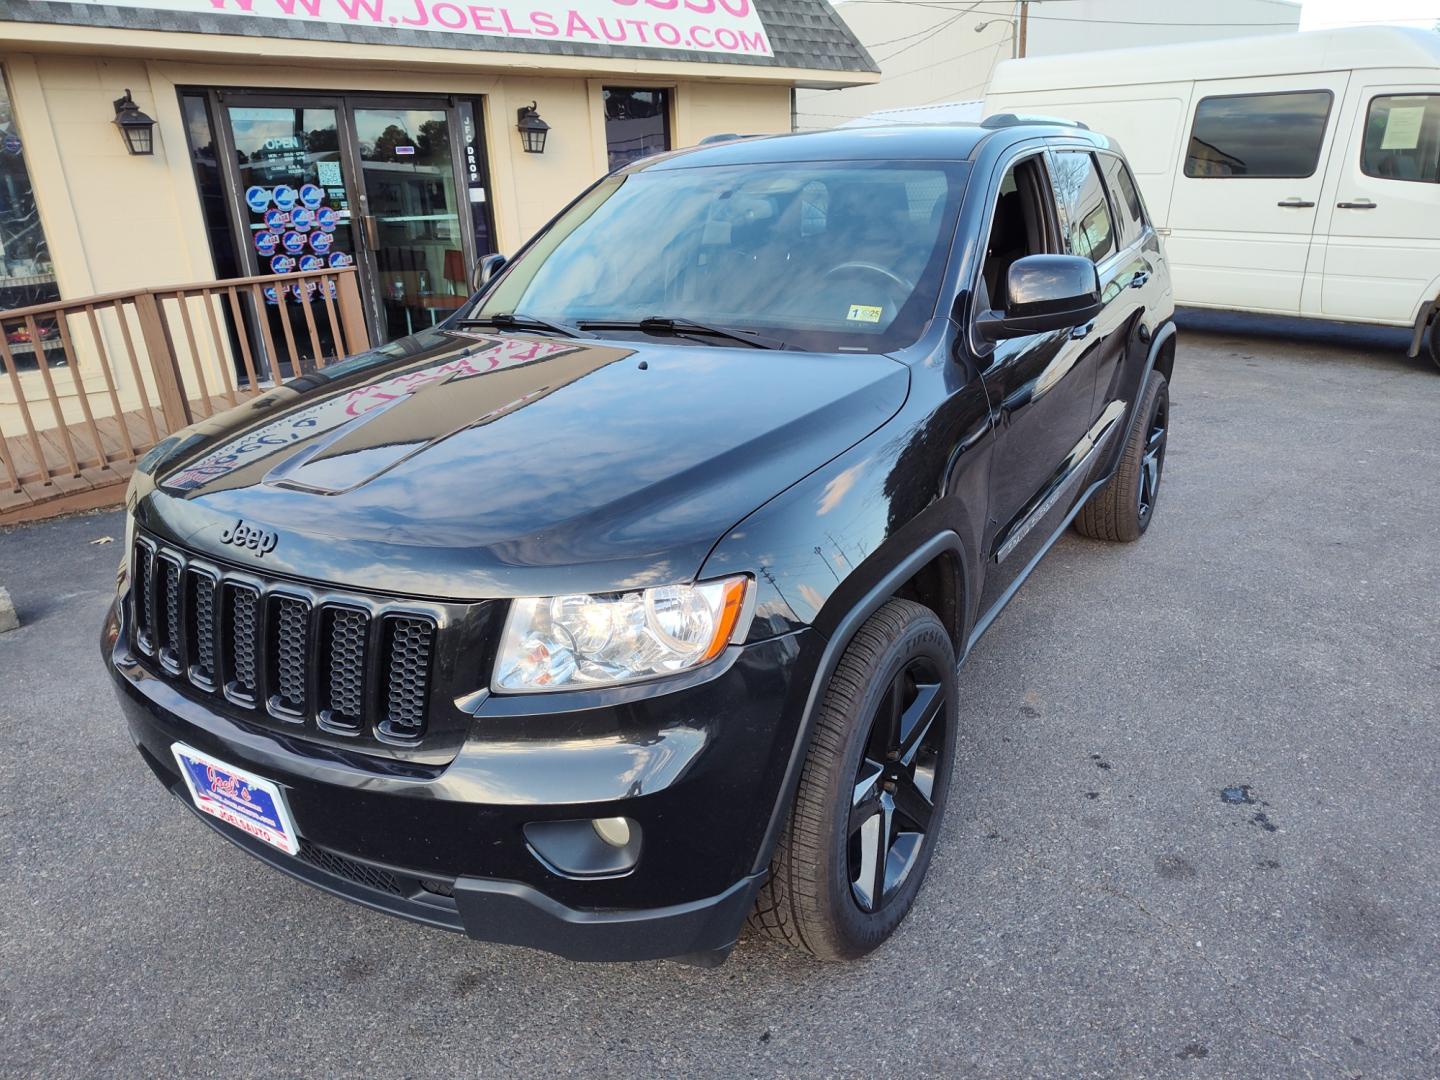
column 1082, row 331
column 1140, row 279
column 1294, row 203
column 372, row 232
column 1358, row 204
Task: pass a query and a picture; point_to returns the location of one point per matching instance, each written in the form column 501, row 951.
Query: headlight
column 570, row 642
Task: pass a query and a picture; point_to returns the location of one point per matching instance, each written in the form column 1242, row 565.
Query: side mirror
column 485, row 271
column 1044, row 292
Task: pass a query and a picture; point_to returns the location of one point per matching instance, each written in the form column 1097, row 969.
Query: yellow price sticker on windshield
column 863, row 313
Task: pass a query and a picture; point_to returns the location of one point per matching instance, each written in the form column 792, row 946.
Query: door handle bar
column 1293, row 203
column 1361, row 204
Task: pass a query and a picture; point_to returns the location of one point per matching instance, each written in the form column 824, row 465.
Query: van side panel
column 1148, row 122
column 1377, row 240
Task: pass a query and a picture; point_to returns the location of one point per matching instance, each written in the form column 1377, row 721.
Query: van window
column 1125, row 196
column 1082, row 202
column 1402, row 138
column 1258, row 135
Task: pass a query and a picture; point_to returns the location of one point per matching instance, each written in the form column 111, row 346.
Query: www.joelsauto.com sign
column 720, row 26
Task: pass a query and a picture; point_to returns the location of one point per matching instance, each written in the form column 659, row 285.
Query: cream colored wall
column 116, row 222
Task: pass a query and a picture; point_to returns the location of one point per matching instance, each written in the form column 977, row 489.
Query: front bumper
column 698, row 766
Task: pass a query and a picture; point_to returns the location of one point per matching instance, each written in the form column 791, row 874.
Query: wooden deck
column 94, row 478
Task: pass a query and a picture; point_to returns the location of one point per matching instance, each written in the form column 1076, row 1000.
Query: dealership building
column 148, row 143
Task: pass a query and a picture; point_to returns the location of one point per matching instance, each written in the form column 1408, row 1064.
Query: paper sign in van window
column 863, row 313
column 1402, row 127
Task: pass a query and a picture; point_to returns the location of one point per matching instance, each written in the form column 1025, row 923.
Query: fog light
column 615, row 831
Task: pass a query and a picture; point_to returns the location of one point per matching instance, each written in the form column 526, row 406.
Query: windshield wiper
column 512, row 320
column 663, row 324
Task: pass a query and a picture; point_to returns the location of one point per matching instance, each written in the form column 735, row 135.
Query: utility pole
column 1024, row 24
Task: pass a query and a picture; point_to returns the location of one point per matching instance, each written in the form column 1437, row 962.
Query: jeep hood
column 459, row 464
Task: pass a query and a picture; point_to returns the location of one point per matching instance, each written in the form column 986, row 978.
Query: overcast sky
column 1320, row 14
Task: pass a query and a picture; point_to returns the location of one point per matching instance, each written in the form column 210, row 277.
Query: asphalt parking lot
column 1196, row 832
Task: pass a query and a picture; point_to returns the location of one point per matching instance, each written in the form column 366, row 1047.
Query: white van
column 1294, row 174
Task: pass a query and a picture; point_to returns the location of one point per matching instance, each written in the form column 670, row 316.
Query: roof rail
column 1004, row 120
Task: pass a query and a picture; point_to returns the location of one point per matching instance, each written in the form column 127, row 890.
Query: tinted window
column 1402, row 138
column 1082, row 204
column 1258, row 135
column 1124, row 195
column 637, row 124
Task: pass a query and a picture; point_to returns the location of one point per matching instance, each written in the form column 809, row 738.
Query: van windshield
column 820, row 256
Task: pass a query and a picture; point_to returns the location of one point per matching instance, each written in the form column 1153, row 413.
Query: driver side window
column 1020, row 226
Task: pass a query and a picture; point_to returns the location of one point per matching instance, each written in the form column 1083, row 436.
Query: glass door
column 295, row 206
column 411, row 213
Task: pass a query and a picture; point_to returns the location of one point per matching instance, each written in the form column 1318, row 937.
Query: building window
column 205, row 159
column 27, row 275
column 1258, row 135
column 1402, row 138
column 637, row 124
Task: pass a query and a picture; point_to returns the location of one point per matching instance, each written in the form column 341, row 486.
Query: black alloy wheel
column 1152, row 458
column 871, row 799
column 1124, row 506
column 891, row 808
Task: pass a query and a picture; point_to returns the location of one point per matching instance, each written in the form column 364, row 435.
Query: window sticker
column 302, row 219
column 1402, row 127
column 266, row 243
column 311, row 196
column 293, row 242
column 864, row 313
column 285, row 197
column 321, row 242
column 282, row 264
column 276, row 219
column 258, row 198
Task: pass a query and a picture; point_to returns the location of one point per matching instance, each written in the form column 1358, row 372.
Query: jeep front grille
column 289, row 656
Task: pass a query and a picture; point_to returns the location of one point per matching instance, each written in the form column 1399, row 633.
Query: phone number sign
column 713, row 26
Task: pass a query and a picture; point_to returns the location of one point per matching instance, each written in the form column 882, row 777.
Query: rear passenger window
column 1402, row 138
column 1082, row 205
column 1125, row 197
column 1258, row 135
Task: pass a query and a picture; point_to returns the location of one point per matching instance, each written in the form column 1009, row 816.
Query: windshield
column 821, row 256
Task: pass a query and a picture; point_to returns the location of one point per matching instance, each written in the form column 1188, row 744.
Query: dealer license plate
column 239, row 798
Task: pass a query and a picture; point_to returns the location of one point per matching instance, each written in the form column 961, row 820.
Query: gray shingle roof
column 803, row 33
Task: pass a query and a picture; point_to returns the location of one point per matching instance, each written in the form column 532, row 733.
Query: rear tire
column 1434, row 340
column 875, row 782
column 1123, row 509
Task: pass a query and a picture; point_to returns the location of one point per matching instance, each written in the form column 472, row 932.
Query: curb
column 8, row 619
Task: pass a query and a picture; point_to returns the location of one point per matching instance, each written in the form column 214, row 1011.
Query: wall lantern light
column 138, row 129
column 532, row 129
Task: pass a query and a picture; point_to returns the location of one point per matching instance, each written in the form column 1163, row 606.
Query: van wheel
column 872, row 793
column 1125, row 506
column 1434, row 339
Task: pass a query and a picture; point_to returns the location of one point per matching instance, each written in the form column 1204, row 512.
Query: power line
column 946, row 5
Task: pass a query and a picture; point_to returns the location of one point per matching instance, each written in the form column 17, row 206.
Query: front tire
column 1124, row 507
column 872, row 793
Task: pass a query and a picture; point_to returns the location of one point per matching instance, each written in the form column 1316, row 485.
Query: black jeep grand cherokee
column 628, row 602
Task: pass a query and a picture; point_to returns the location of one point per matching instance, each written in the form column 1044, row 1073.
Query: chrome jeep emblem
column 250, row 537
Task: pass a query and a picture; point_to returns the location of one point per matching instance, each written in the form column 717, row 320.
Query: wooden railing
column 88, row 385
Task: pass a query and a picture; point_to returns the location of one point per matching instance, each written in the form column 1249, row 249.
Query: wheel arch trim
column 944, row 543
